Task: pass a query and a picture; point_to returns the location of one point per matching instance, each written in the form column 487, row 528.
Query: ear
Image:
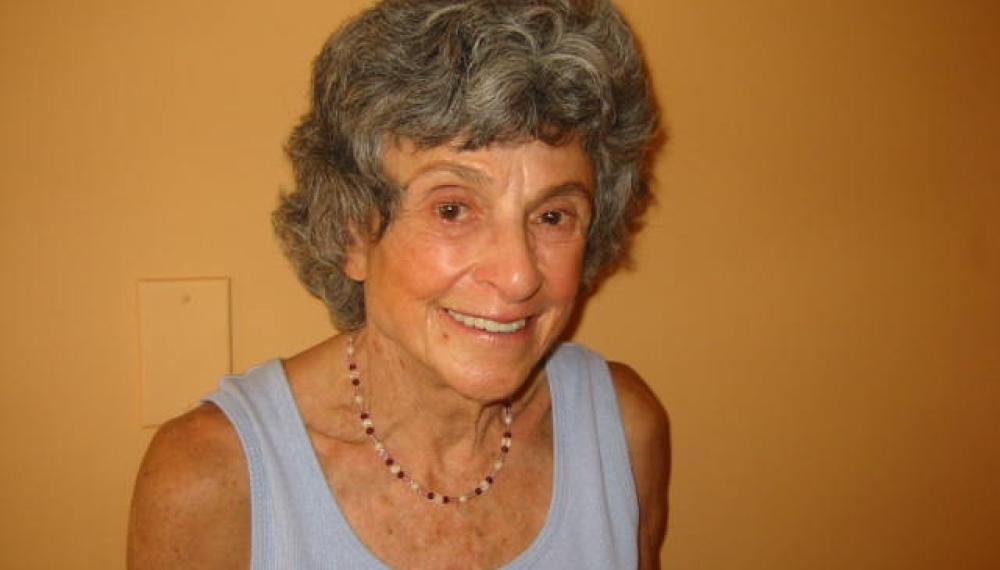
column 356, row 260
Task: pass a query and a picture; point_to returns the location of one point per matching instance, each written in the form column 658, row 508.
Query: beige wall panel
column 816, row 294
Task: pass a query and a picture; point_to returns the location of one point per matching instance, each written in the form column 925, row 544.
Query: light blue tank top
column 592, row 521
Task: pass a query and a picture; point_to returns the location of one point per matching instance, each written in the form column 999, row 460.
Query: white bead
column 395, row 468
column 379, row 446
column 508, row 419
column 358, row 399
column 463, row 498
column 439, row 499
column 484, row 485
column 497, row 465
column 367, row 422
column 414, row 485
column 505, row 442
column 354, row 374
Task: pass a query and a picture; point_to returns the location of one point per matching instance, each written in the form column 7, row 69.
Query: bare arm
column 648, row 432
column 191, row 508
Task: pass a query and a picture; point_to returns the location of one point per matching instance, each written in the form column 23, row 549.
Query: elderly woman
column 466, row 171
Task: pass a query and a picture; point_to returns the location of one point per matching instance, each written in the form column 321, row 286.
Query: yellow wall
column 816, row 296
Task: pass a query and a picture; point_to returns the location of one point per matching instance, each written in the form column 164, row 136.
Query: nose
column 509, row 264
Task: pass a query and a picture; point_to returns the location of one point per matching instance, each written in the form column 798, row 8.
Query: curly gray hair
column 475, row 72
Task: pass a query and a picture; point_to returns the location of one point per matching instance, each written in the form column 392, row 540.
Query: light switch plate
column 184, row 343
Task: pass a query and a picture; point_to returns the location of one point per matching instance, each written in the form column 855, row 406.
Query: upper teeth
column 487, row 324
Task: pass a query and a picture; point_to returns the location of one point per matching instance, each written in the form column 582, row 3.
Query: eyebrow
column 571, row 187
column 467, row 174
column 476, row 176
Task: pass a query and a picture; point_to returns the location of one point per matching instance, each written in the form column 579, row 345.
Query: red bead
column 430, row 496
column 370, row 431
column 504, row 449
column 479, row 491
column 356, row 382
column 507, row 434
column 489, row 479
column 353, row 366
column 390, row 461
column 400, row 475
column 364, row 415
column 445, row 500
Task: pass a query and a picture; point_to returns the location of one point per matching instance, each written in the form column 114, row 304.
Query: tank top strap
column 596, row 501
column 294, row 521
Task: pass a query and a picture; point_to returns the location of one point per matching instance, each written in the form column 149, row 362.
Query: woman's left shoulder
column 647, row 429
column 645, row 418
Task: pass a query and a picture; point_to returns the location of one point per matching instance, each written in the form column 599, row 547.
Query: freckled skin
column 514, row 249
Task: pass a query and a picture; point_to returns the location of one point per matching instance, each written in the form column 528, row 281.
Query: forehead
column 531, row 163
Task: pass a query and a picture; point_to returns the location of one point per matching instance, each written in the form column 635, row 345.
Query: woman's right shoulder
column 200, row 448
column 191, row 505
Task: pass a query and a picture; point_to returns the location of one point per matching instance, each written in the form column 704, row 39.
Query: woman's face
column 478, row 272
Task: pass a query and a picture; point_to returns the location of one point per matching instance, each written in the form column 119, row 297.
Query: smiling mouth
column 487, row 325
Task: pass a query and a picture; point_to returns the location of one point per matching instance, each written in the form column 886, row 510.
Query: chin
column 491, row 383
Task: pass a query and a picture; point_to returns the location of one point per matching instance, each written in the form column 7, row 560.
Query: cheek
column 419, row 263
column 562, row 267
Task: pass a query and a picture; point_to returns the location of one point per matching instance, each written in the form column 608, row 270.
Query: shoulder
column 647, row 429
column 637, row 401
column 190, row 507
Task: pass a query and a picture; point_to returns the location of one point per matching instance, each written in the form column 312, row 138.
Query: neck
column 437, row 418
column 419, row 413
column 442, row 433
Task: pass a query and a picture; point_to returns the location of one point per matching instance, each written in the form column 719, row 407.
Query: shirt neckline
column 341, row 528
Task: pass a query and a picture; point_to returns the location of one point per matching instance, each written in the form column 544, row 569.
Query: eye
column 451, row 211
column 552, row 217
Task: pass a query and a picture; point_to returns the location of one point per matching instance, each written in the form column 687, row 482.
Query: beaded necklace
column 397, row 470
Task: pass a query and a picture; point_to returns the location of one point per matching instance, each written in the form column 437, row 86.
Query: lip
column 509, row 318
